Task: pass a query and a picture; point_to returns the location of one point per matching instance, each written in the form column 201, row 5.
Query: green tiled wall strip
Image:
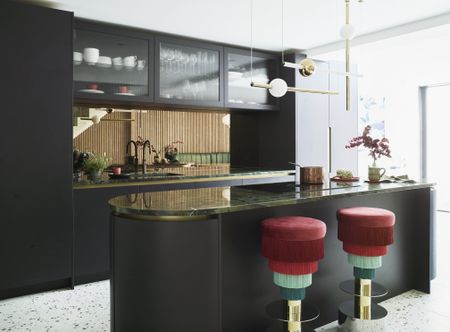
column 205, row 158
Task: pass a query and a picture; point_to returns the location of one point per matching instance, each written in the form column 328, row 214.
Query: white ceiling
column 307, row 23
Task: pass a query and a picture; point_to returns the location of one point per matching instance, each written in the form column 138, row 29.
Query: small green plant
column 95, row 163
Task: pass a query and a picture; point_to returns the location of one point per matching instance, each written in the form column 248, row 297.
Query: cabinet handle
column 329, row 149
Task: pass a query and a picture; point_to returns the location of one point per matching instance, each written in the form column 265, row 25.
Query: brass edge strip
column 174, row 181
column 162, row 218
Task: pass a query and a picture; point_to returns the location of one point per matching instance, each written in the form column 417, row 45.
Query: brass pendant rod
column 323, row 92
column 347, row 58
column 290, row 89
column 261, row 85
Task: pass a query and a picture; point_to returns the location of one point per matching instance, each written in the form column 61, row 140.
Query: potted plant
column 171, row 151
column 94, row 166
column 377, row 148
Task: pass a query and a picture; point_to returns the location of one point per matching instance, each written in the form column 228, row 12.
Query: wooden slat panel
column 109, row 137
column 200, row 132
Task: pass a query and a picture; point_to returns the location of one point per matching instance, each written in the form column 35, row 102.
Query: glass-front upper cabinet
column 110, row 66
column 188, row 72
column 239, row 71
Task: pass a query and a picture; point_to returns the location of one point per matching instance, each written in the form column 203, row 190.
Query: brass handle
column 329, row 149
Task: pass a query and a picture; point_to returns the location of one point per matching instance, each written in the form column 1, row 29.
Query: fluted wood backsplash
column 200, row 132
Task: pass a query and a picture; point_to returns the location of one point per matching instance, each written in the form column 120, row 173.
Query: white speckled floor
column 84, row 309
column 87, row 307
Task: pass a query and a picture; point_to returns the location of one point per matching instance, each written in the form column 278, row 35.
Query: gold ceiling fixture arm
column 278, row 87
column 293, row 89
column 322, row 92
column 306, row 67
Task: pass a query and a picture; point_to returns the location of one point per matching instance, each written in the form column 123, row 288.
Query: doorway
column 435, row 168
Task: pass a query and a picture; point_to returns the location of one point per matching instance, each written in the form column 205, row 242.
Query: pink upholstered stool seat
column 293, row 239
column 366, row 226
column 294, row 228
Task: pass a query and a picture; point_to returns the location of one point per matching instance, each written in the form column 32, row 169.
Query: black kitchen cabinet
column 36, row 225
column 240, row 69
column 91, row 215
column 112, row 64
column 188, row 72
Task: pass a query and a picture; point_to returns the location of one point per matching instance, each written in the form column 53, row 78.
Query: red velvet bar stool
column 293, row 246
column 365, row 232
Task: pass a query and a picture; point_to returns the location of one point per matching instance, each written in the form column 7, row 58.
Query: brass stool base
column 349, row 287
column 350, row 322
column 283, row 327
column 277, row 310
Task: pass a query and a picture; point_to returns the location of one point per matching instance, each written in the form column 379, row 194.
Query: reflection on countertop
column 179, row 174
column 217, row 200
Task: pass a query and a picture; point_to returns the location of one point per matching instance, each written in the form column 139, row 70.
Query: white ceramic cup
column 130, row 61
column 91, row 55
column 104, row 62
column 117, row 62
column 140, row 64
column 77, row 58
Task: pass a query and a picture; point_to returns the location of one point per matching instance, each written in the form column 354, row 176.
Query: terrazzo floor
column 86, row 308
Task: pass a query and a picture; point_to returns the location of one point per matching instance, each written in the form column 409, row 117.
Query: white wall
column 394, row 68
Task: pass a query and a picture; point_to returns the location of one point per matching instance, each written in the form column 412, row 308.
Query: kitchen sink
column 139, row 176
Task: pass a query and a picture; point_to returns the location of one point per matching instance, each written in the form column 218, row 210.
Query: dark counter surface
column 217, row 200
column 183, row 175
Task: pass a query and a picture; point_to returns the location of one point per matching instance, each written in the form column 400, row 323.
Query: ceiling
column 307, row 23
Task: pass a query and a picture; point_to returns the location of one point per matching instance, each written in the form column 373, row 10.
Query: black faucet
column 149, row 145
column 135, row 159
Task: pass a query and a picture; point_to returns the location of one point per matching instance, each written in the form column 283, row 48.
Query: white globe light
column 279, row 87
column 348, row 31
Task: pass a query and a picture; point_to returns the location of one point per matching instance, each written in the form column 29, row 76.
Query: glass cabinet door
column 188, row 72
column 110, row 66
column 239, row 92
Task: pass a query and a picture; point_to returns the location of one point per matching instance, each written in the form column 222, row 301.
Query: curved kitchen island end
column 190, row 260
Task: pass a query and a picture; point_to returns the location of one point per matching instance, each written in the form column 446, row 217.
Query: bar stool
column 293, row 246
column 365, row 232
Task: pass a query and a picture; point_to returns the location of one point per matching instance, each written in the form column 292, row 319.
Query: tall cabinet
column 36, row 224
column 323, row 125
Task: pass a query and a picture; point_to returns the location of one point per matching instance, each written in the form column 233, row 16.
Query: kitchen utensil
column 117, row 63
column 91, row 55
column 77, row 58
column 140, row 65
column 129, row 62
column 104, row 62
column 310, row 174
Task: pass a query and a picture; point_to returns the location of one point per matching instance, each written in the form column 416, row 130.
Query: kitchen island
column 190, row 259
column 91, row 210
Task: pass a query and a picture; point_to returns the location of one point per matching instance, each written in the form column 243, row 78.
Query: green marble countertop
column 206, row 173
column 217, row 200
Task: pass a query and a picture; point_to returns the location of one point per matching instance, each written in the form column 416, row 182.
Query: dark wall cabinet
column 239, row 72
column 119, row 66
column 188, row 72
column 112, row 64
column 36, row 225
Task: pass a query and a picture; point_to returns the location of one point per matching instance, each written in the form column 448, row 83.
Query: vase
column 376, row 173
column 171, row 157
column 95, row 176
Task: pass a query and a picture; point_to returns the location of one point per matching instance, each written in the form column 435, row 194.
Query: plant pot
column 171, row 157
column 375, row 173
column 95, row 176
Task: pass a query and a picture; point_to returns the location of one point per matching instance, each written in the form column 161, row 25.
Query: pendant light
column 307, row 67
column 278, row 87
